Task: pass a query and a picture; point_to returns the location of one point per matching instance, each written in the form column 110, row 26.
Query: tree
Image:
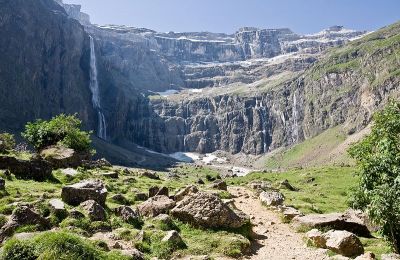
column 7, row 142
column 60, row 130
column 378, row 158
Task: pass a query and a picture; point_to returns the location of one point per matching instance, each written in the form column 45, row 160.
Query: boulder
column 317, row 238
column 390, row 257
column 94, row 210
column 63, row 157
column 272, row 198
column 164, row 219
column 155, row 206
column 207, row 210
column 127, row 214
column 184, row 192
column 22, row 215
column 366, row 256
column 150, row 175
column 134, row 254
column 286, row 185
column 219, row 185
column 200, row 181
column 101, row 163
column 337, row 221
column 119, row 198
column 57, row 206
column 289, row 213
column 76, row 214
column 260, row 185
column 172, row 237
column 111, row 175
column 69, row 172
column 141, row 196
column 156, row 191
column 344, row 243
column 83, row 191
column 34, row 169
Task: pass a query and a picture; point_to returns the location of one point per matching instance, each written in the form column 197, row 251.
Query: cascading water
column 94, row 88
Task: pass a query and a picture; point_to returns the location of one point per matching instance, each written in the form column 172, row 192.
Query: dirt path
column 274, row 239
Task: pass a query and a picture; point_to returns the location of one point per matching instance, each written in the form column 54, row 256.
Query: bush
column 378, row 157
column 16, row 250
column 7, row 142
column 62, row 129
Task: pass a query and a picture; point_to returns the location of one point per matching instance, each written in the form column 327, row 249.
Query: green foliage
column 17, row 250
column 378, row 157
column 7, row 142
column 62, row 129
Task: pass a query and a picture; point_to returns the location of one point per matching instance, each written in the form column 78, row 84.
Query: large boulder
column 128, row 214
column 94, row 210
column 180, row 195
column 272, row 198
column 344, row 243
column 34, row 169
column 207, row 210
column 63, row 157
column 83, row 191
column 337, row 221
column 23, row 215
column 155, row 206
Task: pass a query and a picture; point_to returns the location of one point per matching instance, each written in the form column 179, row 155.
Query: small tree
column 378, row 157
column 7, row 142
column 62, row 129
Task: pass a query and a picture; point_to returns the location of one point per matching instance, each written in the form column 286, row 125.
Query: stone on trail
column 344, row 243
column 85, row 190
column 337, row 221
column 209, row 211
column 272, row 198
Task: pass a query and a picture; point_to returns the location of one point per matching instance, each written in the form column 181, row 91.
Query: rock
column 164, row 219
column 344, row 243
column 128, row 214
column 111, row 175
column 76, row 214
column 57, row 206
column 34, row 169
column 289, row 213
column 133, row 253
column 63, row 157
column 337, row 221
column 173, row 237
column 101, row 163
column 153, row 191
column 219, row 185
column 390, row 257
column 317, row 238
column 120, row 199
column 94, row 210
column 272, row 198
column 286, row 185
column 22, row 215
column 209, row 211
column 366, row 256
column 141, row 196
column 83, row 191
column 200, row 181
column 184, row 192
column 150, row 175
column 155, row 206
column 69, row 172
column 260, row 185
column 2, row 184
column 163, row 192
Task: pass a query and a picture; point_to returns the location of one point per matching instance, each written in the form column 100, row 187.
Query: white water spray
column 94, row 88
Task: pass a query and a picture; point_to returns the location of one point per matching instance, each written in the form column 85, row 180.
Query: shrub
column 7, row 142
column 16, row 250
column 62, row 129
column 378, row 157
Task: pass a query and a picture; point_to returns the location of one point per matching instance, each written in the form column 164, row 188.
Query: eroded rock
column 83, row 191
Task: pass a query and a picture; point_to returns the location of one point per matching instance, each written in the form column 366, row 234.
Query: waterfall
column 94, row 88
column 295, row 114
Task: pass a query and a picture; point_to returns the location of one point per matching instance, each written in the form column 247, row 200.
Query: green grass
column 312, row 152
column 328, row 192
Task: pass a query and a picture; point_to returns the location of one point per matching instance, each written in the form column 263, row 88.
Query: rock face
column 155, row 206
column 338, row 221
column 33, row 169
column 344, row 243
column 272, row 198
column 83, row 191
column 207, row 210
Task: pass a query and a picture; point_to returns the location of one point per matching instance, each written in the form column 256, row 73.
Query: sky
column 302, row 16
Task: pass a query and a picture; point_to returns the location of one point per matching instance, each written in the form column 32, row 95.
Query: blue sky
column 302, row 16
